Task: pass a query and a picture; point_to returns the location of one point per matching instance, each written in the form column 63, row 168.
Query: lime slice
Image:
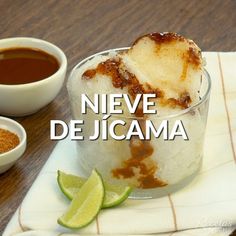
column 86, row 203
column 115, row 195
column 71, row 184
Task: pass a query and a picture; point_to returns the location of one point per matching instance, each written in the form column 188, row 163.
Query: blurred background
column 83, row 27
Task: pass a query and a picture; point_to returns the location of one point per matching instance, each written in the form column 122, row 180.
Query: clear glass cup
column 169, row 164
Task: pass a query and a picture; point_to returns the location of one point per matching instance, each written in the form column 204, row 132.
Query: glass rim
column 179, row 113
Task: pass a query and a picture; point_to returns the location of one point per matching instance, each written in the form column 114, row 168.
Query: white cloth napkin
column 207, row 206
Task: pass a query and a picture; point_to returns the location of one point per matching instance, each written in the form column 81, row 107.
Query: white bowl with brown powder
column 12, row 143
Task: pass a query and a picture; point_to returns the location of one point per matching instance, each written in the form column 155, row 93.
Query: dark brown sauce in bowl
column 26, row 65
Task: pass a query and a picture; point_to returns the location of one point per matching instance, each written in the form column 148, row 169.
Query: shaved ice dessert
column 169, row 66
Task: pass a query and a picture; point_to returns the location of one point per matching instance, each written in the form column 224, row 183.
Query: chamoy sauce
column 25, row 65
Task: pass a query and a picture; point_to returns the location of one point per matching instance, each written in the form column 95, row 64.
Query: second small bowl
column 8, row 159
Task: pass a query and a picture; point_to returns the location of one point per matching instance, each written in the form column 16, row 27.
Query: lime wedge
column 71, row 184
column 115, row 195
column 86, row 203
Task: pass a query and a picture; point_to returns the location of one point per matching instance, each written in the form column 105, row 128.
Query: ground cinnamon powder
column 8, row 140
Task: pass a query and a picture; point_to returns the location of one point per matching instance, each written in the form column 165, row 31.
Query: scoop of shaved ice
column 166, row 64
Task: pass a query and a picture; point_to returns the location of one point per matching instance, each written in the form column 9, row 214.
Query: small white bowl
column 8, row 159
column 26, row 99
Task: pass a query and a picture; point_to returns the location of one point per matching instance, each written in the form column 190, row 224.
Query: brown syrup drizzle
column 141, row 161
column 160, row 38
column 192, row 56
column 121, row 78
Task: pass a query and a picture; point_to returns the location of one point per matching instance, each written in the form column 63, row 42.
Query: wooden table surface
column 82, row 28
